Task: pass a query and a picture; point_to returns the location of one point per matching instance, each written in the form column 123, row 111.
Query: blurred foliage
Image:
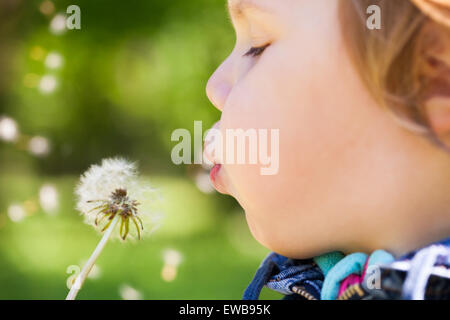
column 135, row 71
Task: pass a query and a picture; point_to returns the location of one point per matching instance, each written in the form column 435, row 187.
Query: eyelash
column 256, row 51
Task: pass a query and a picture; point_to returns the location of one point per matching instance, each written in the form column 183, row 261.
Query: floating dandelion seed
column 129, row 293
column 172, row 258
column 16, row 212
column 96, row 271
column 49, row 198
column 203, row 182
column 58, row 24
column 48, row 84
column 109, row 193
column 54, row 60
column 39, row 146
column 8, row 129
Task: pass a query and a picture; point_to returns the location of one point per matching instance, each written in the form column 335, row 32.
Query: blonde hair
column 389, row 59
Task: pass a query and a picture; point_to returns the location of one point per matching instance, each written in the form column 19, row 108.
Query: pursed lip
column 207, row 151
column 217, row 178
column 215, row 173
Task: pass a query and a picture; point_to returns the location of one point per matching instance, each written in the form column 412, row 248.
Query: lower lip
column 214, row 172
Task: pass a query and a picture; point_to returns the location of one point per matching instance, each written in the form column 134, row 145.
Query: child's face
column 342, row 160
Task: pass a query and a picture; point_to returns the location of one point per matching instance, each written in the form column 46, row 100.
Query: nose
column 219, row 87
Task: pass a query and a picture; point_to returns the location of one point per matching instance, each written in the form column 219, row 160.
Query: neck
column 405, row 240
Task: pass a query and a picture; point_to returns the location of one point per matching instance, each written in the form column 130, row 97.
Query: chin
column 291, row 246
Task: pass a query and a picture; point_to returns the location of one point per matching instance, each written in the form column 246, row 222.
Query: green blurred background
column 135, row 71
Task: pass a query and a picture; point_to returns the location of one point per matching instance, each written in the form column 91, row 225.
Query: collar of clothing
column 327, row 277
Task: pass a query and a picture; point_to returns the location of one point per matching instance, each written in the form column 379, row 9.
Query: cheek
column 296, row 94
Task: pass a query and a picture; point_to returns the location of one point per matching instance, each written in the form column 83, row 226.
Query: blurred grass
column 219, row 254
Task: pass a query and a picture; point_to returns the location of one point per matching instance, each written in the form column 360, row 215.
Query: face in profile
column 342, row 159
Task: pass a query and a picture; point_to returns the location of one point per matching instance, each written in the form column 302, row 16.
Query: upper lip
column 206, row 154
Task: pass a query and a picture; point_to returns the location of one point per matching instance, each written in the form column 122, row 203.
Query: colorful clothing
column 418, row 275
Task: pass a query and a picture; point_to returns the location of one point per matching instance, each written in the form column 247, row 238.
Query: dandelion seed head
column 100, row 181
column 114, row 183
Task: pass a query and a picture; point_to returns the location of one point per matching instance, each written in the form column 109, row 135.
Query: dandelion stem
column 90, row 263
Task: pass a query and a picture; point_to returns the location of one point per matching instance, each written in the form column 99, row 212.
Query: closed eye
column 256, row 51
